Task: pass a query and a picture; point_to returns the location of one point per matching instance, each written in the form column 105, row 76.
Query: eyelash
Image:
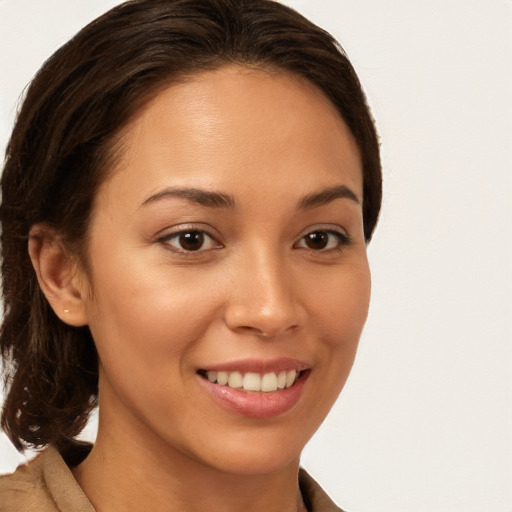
column 342, row 241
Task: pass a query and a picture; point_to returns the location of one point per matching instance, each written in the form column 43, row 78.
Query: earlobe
column 56, row 271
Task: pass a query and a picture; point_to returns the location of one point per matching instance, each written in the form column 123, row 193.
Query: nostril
column 268, row 332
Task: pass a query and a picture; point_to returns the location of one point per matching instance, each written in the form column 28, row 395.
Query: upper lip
column 259, row 365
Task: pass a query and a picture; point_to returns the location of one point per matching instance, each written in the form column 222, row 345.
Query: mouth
column 252, row 382
column 256, row 389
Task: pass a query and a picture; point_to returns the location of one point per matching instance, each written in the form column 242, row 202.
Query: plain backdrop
column 425, row 421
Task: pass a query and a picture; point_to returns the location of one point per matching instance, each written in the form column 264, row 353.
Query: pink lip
column 259, row 366
column 258, row 404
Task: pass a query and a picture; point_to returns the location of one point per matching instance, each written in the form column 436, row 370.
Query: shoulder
column 25, row 490
column 315, row 497
column 45, row 484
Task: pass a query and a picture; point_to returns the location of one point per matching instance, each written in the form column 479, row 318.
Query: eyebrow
column 221, row 200
column 326, row 196
column 196, row 195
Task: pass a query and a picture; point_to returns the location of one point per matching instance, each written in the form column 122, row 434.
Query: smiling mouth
column 254, row 382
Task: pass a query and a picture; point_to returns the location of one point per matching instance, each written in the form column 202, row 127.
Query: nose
column 264, row 299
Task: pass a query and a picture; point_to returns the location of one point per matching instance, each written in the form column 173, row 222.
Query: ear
column 58, row 274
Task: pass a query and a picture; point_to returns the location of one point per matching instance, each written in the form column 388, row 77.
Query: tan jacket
column 46, row 484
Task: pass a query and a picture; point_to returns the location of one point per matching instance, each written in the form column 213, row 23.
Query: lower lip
column 257, row 405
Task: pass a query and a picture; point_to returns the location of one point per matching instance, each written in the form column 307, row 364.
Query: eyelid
column 331, row 228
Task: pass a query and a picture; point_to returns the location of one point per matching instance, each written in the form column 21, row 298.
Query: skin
column 255, row 289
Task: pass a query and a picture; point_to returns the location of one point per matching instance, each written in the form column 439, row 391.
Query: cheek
column 341, row 313
column 146, row 332
column 342, row 307
column 148, row 314
column 338, row 312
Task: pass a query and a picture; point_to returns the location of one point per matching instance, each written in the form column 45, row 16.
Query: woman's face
column 228, row 245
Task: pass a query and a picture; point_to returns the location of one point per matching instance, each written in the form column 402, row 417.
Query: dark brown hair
column 59, row 153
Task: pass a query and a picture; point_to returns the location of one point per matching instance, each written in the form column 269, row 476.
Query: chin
column 256, row 452
column 258, row 461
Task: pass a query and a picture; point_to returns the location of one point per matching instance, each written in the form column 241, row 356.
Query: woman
column 197, row 181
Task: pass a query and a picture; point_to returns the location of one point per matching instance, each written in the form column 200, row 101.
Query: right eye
column 190, row 240
column 323, row 240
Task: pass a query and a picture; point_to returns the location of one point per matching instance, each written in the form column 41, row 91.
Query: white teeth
column 222, row 378
column 290, row 378
column 252, row 382
column 281, row 380
column 235, row 380
column 267, row 383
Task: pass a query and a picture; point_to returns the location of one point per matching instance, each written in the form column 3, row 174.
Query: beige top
column 46, row 484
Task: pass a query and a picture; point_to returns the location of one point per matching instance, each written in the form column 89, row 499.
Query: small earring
column 66, row 311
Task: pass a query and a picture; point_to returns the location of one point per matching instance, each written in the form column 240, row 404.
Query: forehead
column 236, row 124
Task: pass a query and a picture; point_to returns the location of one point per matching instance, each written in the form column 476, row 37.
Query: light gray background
column 425, row 421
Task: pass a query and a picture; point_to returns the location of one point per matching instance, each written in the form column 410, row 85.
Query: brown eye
column 317, row 240
column 190, row 241
column 323, row 240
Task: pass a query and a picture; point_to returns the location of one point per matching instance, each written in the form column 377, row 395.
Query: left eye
column 191, row 241
column 322, row 240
